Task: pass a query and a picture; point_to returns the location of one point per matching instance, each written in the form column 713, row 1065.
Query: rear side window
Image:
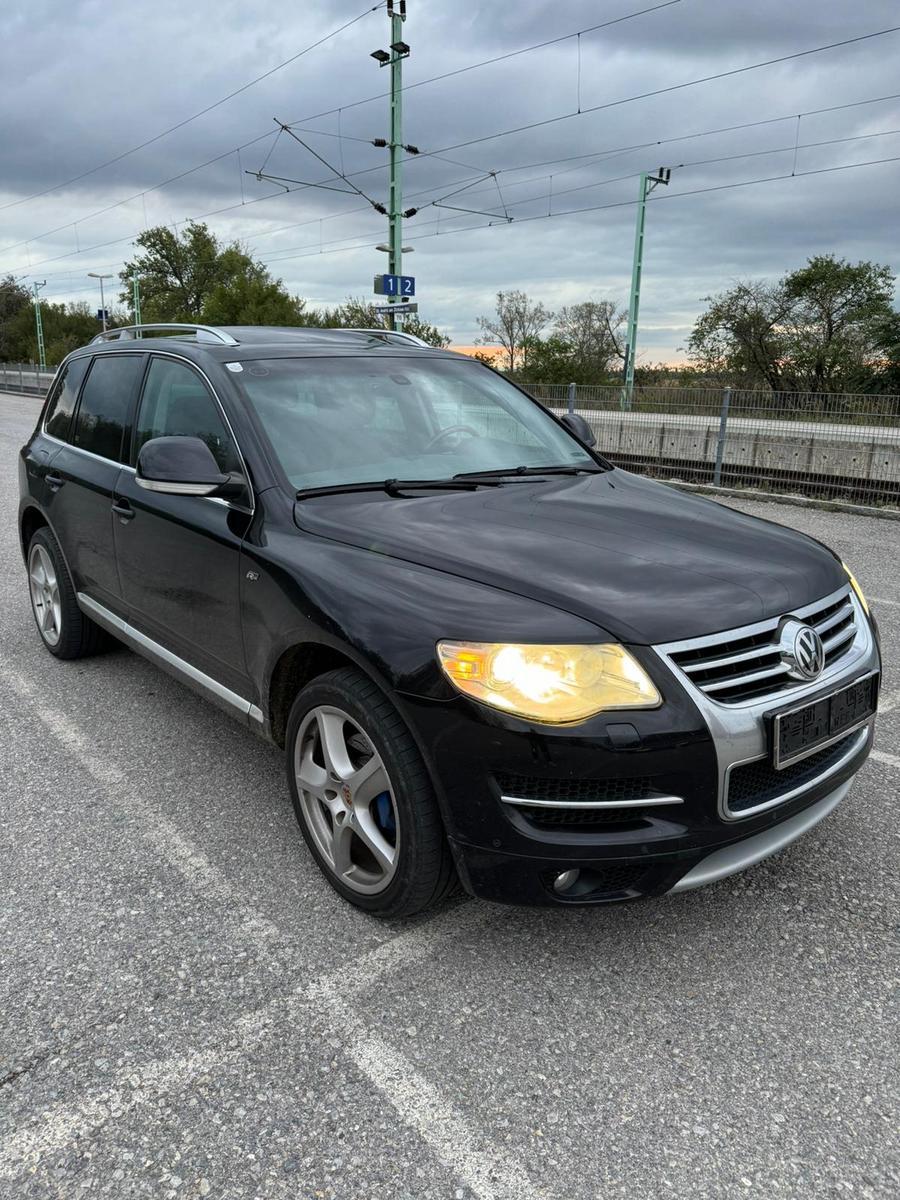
column 62, row 402
column 177, row 403
column 105, row 401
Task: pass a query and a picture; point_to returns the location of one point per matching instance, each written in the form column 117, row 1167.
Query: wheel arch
column 298, row 665
column 31, row 520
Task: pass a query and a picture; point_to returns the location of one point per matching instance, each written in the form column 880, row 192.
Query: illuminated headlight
column 854, row 583
column 555, row 685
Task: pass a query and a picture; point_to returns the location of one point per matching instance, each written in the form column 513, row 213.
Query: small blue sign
column 102, row 314
column 395, row 285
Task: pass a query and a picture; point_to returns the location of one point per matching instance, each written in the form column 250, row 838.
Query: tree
column 816, row 329
column 592, row 331
column 191, row 276
column 517, row 322
column 14, row 301
column 358, row 313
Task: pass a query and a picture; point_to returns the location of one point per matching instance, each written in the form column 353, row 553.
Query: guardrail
column 836, row 447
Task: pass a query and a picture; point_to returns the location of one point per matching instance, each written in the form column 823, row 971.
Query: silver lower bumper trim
column 740, row 855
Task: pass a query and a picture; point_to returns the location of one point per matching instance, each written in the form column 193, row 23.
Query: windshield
column 360, row 420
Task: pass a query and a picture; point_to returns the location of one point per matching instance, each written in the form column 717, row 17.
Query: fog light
column 565, row 880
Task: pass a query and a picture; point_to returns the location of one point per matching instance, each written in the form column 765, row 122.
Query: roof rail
column 203, row 333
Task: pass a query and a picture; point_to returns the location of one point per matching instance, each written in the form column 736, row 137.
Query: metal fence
column 836, row 447
column 28, row 378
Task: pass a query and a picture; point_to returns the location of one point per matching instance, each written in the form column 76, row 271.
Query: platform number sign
column 395, row 285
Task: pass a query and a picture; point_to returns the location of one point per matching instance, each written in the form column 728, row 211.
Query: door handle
column 54, row 482
column 122, row 509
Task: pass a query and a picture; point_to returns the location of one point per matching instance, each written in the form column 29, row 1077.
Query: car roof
column 229, row 343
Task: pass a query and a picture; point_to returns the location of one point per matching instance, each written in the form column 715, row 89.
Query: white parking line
column 888, row 701
column 883, row 600
column 468, row 1155
column 196, row 869
column 889, row 760
column 60, row 1125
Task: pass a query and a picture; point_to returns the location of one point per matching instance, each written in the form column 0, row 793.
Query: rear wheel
column 64, row 629
column 363, row 797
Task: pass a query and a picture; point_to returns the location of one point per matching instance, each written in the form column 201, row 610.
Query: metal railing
column 835, row 447
column 27, row 378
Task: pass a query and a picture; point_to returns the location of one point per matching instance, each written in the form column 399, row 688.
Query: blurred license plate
column 800, row 731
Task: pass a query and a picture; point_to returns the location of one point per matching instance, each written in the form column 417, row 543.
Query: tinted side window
column 105, row 400
column 62, row 402
column 177, row 403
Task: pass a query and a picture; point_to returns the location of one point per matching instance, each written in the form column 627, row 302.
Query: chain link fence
column 835, row 447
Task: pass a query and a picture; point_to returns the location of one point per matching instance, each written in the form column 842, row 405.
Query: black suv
column 489, row 655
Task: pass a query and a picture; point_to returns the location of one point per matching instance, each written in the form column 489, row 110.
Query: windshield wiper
column 399, row 487
column 562, row 469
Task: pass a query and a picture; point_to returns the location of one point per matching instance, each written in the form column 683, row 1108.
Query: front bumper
column 513, row 795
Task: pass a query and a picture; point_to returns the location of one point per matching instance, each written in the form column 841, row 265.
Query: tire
column 65, row 631
column 363, row 798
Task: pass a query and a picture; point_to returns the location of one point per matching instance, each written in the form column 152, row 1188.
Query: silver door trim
column 170, row 662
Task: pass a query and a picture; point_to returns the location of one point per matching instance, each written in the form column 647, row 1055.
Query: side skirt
column 181, row 670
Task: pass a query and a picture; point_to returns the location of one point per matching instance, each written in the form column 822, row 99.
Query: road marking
column 190, row 862
column 889, row 760
column 883, row 600
column 58, row 1126
column 490, row 1173
column 889, row 701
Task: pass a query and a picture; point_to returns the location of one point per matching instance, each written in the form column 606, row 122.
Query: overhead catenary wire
column 441, row 152
column 606, row 153
column 202, row 113
column 296, row 124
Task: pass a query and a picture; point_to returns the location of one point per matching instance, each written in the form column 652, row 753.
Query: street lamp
column 94, row 275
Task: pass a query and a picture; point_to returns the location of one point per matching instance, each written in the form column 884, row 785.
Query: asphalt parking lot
column 186, row 1009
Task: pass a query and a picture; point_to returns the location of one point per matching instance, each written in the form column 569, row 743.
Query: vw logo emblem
column 801, row 650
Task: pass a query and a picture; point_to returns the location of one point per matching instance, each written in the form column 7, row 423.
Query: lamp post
column 94, row 275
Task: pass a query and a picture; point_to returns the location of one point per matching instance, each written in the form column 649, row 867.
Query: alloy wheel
column 347, row 799
column 44, row 585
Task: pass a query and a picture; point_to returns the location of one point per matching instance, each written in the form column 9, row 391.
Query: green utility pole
column 399, row 51
column 647, row 184
column 136, row 284
column 393, row 58
column 39, row 324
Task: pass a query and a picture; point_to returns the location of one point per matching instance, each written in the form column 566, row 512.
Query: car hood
column 645, row 562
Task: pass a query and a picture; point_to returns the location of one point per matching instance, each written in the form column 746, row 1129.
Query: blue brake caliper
column 384, row 814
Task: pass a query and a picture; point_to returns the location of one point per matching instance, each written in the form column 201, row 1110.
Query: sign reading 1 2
column 398, row 285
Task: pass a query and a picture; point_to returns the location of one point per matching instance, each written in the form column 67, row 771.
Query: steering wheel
column 434, row 442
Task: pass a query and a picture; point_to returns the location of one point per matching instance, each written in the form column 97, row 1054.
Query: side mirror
column 579, row 428
column 183, row 466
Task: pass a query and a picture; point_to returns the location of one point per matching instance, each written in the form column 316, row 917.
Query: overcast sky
column 82, row 81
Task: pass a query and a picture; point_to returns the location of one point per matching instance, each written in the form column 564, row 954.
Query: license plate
column 801, row 731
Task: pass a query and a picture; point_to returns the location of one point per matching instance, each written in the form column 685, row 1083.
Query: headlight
column 556, row 685
column 854, row 583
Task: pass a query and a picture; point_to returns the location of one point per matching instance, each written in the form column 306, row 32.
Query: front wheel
column 363, row 797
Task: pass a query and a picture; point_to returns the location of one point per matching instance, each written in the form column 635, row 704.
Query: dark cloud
column 82, row 81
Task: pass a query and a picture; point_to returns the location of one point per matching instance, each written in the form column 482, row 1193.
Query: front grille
column 748, row 666
column 570, row 791
column 758, row 783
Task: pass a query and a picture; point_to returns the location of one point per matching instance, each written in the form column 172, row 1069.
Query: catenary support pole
column 395, row 201
column 647, row 183
column 39, row 324
column 136, row 286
